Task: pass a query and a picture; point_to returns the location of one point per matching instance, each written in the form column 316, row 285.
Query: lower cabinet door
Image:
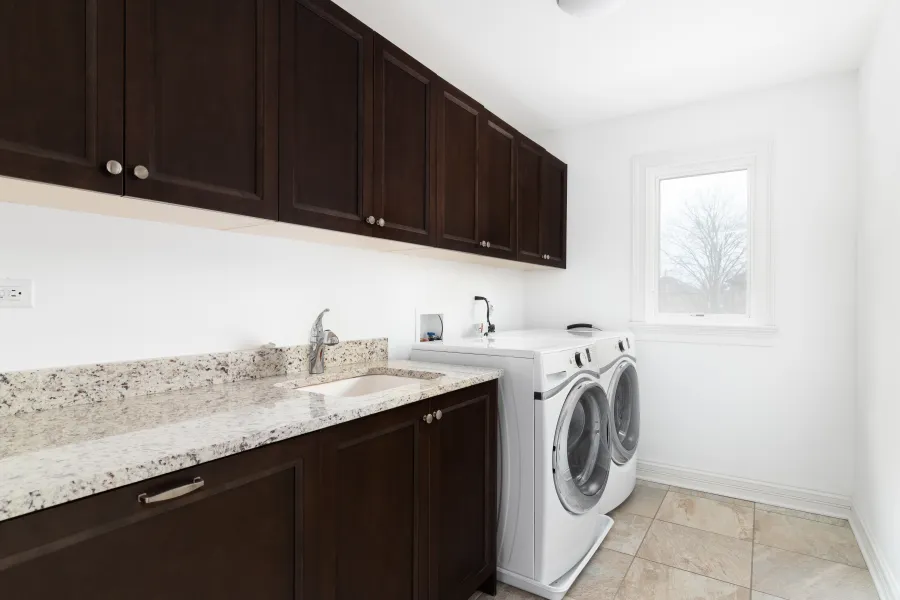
column 374, row 495
column 463, row 507
column 240, row 535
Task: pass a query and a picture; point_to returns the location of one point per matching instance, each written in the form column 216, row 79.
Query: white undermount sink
column 359, row 386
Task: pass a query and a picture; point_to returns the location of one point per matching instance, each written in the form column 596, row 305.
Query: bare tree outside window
column 703, row 244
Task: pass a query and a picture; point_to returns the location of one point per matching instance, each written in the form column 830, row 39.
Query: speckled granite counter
column 61, row 454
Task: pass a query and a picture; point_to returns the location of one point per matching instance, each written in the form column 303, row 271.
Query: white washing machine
column 555, row 453
column 615, row 366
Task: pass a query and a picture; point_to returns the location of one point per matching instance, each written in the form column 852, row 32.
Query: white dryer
column 555, row 453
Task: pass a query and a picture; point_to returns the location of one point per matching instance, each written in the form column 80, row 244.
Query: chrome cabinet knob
column 438, row 415
column 370, row 220
column 428, row 418
column 113, row 167
column 380, row 222
column 141, row 172
column 487, row 244
column 481, row 243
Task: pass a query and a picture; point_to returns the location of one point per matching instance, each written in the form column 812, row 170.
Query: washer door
column 581, row 450
column 626, row 411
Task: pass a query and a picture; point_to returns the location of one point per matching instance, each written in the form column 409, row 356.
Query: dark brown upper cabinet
column 553, row 211
column 61, row 91
column 497, row 183
column 201, row 108
column 404, row 145
column 459, row 120
column 529, row 169
column 326, row 117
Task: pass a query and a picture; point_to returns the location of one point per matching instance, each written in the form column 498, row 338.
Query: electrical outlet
column 16, row 293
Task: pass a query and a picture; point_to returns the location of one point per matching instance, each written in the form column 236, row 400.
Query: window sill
column 711, row 333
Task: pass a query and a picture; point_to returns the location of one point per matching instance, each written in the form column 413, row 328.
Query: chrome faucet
column 318, row 339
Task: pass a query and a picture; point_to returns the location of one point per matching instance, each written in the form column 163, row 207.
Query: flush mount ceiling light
column 582, row 8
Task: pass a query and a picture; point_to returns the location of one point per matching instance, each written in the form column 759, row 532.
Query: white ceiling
column 540, row 68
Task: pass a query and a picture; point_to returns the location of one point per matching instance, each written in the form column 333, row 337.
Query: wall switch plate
column 16, row 293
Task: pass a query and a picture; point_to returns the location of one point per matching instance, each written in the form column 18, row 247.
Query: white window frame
column 647, row 172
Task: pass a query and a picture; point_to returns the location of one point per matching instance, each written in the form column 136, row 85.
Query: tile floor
column 670, row 543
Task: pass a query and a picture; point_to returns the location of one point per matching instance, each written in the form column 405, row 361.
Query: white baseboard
column 821, row 503
column 885, row 582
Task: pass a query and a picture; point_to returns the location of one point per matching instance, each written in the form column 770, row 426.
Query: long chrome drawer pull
column 173, row 493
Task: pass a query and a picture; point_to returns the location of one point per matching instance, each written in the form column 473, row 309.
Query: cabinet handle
column 141, row 172
column 380, row 222
column 438, row 414
column 370, row 220
column 428, row 418
column 113, row 167
column 173, row 493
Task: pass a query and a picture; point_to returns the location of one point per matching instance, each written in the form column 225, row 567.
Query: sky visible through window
column 703, row 244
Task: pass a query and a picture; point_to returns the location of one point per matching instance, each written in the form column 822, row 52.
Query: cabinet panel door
column 497, row 205
column 245, row 534
column 404, row 145
column 326, row 117
column 458, row 125
column 375, row 485
column 202, row 104
column 463, row 501
column 61, row 91
column 528, row 189
column 553, row 211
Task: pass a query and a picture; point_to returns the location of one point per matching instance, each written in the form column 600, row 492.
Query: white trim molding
column 887, row 586
column 821, row 503
column 758, row 325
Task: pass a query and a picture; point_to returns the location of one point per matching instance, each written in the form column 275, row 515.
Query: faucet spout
column 318, row 339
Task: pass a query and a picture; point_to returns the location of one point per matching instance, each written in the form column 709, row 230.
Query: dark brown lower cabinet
column 386, row 507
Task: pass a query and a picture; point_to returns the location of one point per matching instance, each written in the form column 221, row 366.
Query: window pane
column 703, row 244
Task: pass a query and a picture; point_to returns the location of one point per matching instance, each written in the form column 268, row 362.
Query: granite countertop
column 61, row 454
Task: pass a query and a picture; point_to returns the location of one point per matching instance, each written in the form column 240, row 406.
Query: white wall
column 876, row 495
column 112, row 289
column 781, row 414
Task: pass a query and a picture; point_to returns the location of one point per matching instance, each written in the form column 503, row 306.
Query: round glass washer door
column 626, row 411
column 581, row 449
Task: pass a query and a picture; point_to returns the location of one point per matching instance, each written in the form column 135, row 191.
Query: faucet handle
column 330, row 338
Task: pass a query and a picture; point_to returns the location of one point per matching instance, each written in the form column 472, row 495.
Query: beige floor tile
column 627, row 532
column 643, row 501
column 652, row 581
column 708, row 496
column 796, row 576
column 803, row 515
column 708, row 515
column 754, row 595
column 710, row 554
column 808, row 537
column 652, row 484
column 601, row 577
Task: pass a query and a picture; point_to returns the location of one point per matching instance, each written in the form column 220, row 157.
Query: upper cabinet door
column 404, row 145
column 326, row 117
column 459, row 120
column 553, row 211
column 61, row 91
column 202, row 104
column 528, row 187
column 497, row 179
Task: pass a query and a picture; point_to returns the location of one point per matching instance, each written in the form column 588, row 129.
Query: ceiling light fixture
column 581, row 8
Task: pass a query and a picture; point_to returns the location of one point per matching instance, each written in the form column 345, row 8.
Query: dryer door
column 581, row 450
column 626, row 411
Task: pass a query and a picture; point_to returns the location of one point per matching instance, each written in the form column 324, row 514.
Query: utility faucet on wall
column 318, row 339
column 491, row 328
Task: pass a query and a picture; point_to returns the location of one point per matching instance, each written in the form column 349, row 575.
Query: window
column 701, row 241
